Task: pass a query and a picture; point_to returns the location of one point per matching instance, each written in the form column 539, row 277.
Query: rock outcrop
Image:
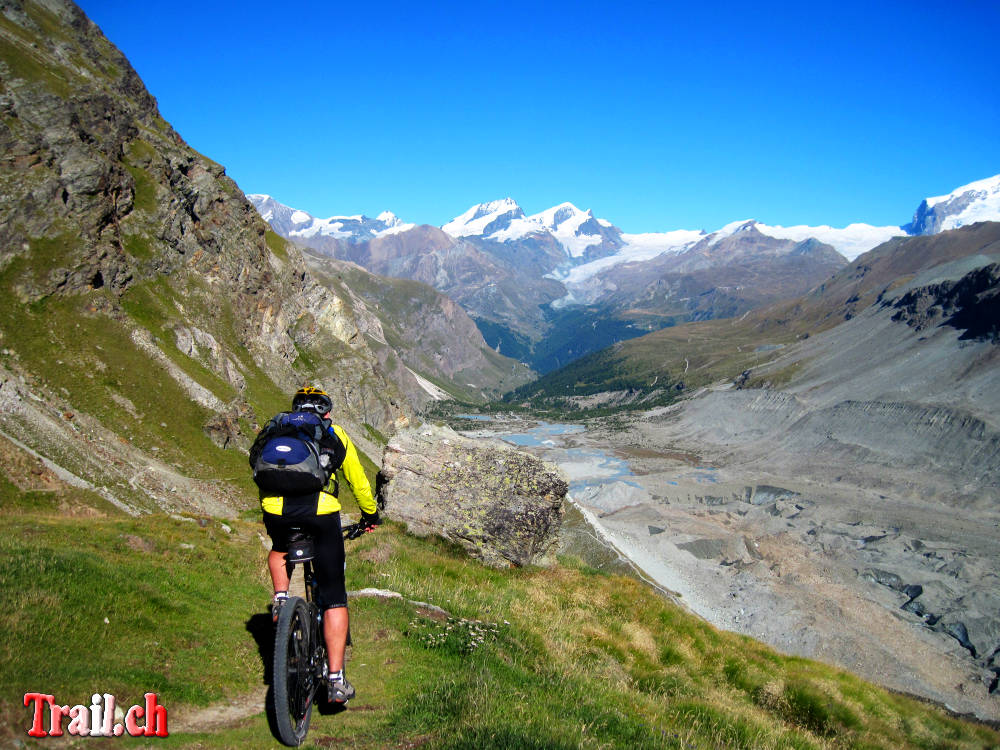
column 502, row 505
column 970, row 304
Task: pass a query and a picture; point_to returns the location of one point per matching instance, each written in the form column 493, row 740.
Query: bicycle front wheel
column 294, row 679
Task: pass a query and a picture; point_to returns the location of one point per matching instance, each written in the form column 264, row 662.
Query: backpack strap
column 331, row 444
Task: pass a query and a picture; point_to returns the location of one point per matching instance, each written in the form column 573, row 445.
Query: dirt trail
column 220, row 715
column 225, row 714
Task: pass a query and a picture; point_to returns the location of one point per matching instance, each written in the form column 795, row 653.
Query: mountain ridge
column 536, row 285
column 504, row 221
column 711, row 350
column 513, row 292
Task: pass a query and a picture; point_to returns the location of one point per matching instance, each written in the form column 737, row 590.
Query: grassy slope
column 76, row 349
column 91, row 360
column 576, row 658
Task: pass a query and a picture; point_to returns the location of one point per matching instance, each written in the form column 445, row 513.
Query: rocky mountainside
column 919, row 362
column 420, row 334
column 152, row 319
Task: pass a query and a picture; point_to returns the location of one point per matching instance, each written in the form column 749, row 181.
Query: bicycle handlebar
column 354, row 530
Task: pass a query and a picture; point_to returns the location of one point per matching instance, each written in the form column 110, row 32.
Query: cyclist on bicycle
column 319, row 514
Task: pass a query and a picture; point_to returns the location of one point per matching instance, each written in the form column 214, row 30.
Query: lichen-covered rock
column 502, row 505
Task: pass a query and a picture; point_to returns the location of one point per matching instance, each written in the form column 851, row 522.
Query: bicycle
column 300, row 664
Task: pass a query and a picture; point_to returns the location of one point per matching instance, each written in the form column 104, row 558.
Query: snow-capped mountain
column 295, row 224
column 594, row 245
column 757, row 265
column 977, row 201
column 579, row 233
column 851, row 241
column 520, row 275
column 488, row 219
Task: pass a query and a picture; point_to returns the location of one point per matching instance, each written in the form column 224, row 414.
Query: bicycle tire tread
column 288, row 687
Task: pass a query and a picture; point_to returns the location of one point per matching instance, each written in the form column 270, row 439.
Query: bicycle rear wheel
column 294, row 678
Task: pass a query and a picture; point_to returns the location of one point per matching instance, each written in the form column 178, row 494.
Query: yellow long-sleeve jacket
column 326, row 500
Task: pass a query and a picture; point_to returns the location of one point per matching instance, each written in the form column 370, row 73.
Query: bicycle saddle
column 300, row 547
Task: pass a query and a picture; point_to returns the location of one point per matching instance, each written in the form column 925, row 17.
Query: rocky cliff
column 151, row 317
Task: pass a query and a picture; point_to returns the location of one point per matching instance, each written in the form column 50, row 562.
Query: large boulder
column 502, row 505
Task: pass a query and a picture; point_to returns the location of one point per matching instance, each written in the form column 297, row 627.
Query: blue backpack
column 286, row 455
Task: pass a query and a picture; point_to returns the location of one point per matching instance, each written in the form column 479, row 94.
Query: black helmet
column 308, row 398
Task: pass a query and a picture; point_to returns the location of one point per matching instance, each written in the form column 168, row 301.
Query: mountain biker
column 319, row 514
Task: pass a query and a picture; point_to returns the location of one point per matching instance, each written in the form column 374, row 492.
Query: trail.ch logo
column 100, row 719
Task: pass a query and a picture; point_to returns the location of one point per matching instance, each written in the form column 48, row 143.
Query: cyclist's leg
column 329, row 564
column 278, row 568
column 277, row 529
column 335, row 626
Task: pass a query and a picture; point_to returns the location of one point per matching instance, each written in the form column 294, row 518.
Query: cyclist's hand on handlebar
column 367, row 523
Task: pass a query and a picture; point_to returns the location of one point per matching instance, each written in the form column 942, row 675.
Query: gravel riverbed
column 903, row 593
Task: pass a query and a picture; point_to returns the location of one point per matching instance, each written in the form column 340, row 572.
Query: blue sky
column 656, row 116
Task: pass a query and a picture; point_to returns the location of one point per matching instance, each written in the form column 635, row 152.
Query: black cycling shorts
column 328, row 562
